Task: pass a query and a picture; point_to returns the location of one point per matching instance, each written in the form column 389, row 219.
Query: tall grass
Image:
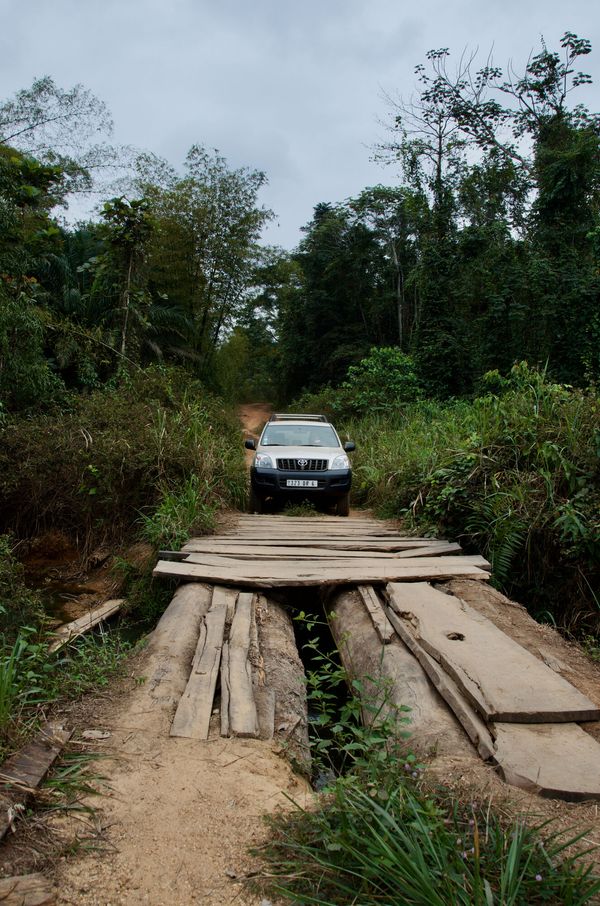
column 391, row 842
column 514, row 474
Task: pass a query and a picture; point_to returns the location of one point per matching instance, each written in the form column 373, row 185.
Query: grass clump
column 390, row 842
column 377, row 835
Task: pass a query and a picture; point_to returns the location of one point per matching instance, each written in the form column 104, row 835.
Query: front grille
column 292, row 465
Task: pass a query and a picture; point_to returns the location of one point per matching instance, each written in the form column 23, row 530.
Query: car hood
column 327, row 453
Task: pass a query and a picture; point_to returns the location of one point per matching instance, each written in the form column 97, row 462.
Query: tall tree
column 204, row 249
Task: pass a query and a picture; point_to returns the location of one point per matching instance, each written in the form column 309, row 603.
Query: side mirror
column 349, row 446
column 250, row 444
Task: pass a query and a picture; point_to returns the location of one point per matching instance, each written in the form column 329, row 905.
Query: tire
column 342, row 507
column 256, row 503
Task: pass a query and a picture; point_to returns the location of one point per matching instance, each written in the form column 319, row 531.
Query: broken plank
column 23, row 772
column 275, row 575
column 501, row 680
column 69, row 631
column 261, row 567
column 192, row 718
column 468, row 718
column 556, row 760
column 382, row 625
column 27, row 890
column 243, row 718
column 265, row 552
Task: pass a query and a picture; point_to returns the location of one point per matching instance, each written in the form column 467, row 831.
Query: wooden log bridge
column 469, row 685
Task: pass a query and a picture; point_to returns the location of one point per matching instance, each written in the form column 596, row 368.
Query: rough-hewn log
column 391, row 673
column 284, row 677
column 168, row 658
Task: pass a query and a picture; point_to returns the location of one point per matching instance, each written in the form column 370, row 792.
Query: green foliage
column 514, row 474
column 181, row 511
column 389, row 841
column 121, row 451
column 31, row 679
column 19, row 606
column 306, row 508
column 377, row 834
column 353, row 726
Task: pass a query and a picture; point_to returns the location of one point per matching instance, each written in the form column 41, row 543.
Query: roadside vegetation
column 513, row 473
column 379, row 833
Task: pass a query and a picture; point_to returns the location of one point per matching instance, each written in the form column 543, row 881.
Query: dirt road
column 180, row 814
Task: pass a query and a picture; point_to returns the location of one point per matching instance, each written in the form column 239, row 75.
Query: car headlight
column 340, row 462
column 262, row 461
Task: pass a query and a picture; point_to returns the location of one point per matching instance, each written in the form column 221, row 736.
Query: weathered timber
column 284, row 678
column 498, row 677
column 27, row 890
column 192, row 718
column 392, row 679
column 383, row 627
column 23, row 772
column 470, row 721
column 69, row 631
column 233, row 544
column 243, row 719
column 556, row 760
column 271, row 574
column 168, row 656
column 270, row 552
column 225, row 689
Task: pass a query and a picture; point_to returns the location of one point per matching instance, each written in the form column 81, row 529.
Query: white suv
column 299, row 457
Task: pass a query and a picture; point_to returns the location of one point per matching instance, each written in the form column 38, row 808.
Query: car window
column 299, row 436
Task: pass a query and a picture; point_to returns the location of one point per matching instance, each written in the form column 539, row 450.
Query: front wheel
column 342, row 507
column 256, row 503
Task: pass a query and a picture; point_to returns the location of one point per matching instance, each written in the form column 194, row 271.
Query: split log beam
column 243, row 718
column 498, row 677
column 192, row 718
column 383, row 627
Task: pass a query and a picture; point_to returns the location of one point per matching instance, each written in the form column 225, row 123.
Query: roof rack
column 296, row 416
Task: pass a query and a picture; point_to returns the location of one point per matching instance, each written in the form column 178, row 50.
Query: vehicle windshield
column 299, row 436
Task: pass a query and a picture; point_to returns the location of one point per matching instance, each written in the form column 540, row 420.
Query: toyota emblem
column 303, row 463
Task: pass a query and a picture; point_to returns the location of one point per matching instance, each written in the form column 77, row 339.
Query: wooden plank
column 233, row 543
column 27, row 890
column 499, row 678
column 225, row 692
column 243, row 719
column 192, row 718
column 258, row 567
column 23, row 772
column 69, row 631
column 266, row 552
column 274, row 575
column 470, row 721
column 382, row 625
column 556, row 760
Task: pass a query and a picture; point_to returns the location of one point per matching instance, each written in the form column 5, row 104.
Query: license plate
column 301, row 483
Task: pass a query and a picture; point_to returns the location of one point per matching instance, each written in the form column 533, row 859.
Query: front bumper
column 274, row 482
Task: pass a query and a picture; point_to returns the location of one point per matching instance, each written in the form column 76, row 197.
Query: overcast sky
column 291, row 88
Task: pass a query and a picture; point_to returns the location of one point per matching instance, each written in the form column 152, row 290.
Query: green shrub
column 515, row 474
column 382, row 382
column 119, row 452
column 19, row 605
